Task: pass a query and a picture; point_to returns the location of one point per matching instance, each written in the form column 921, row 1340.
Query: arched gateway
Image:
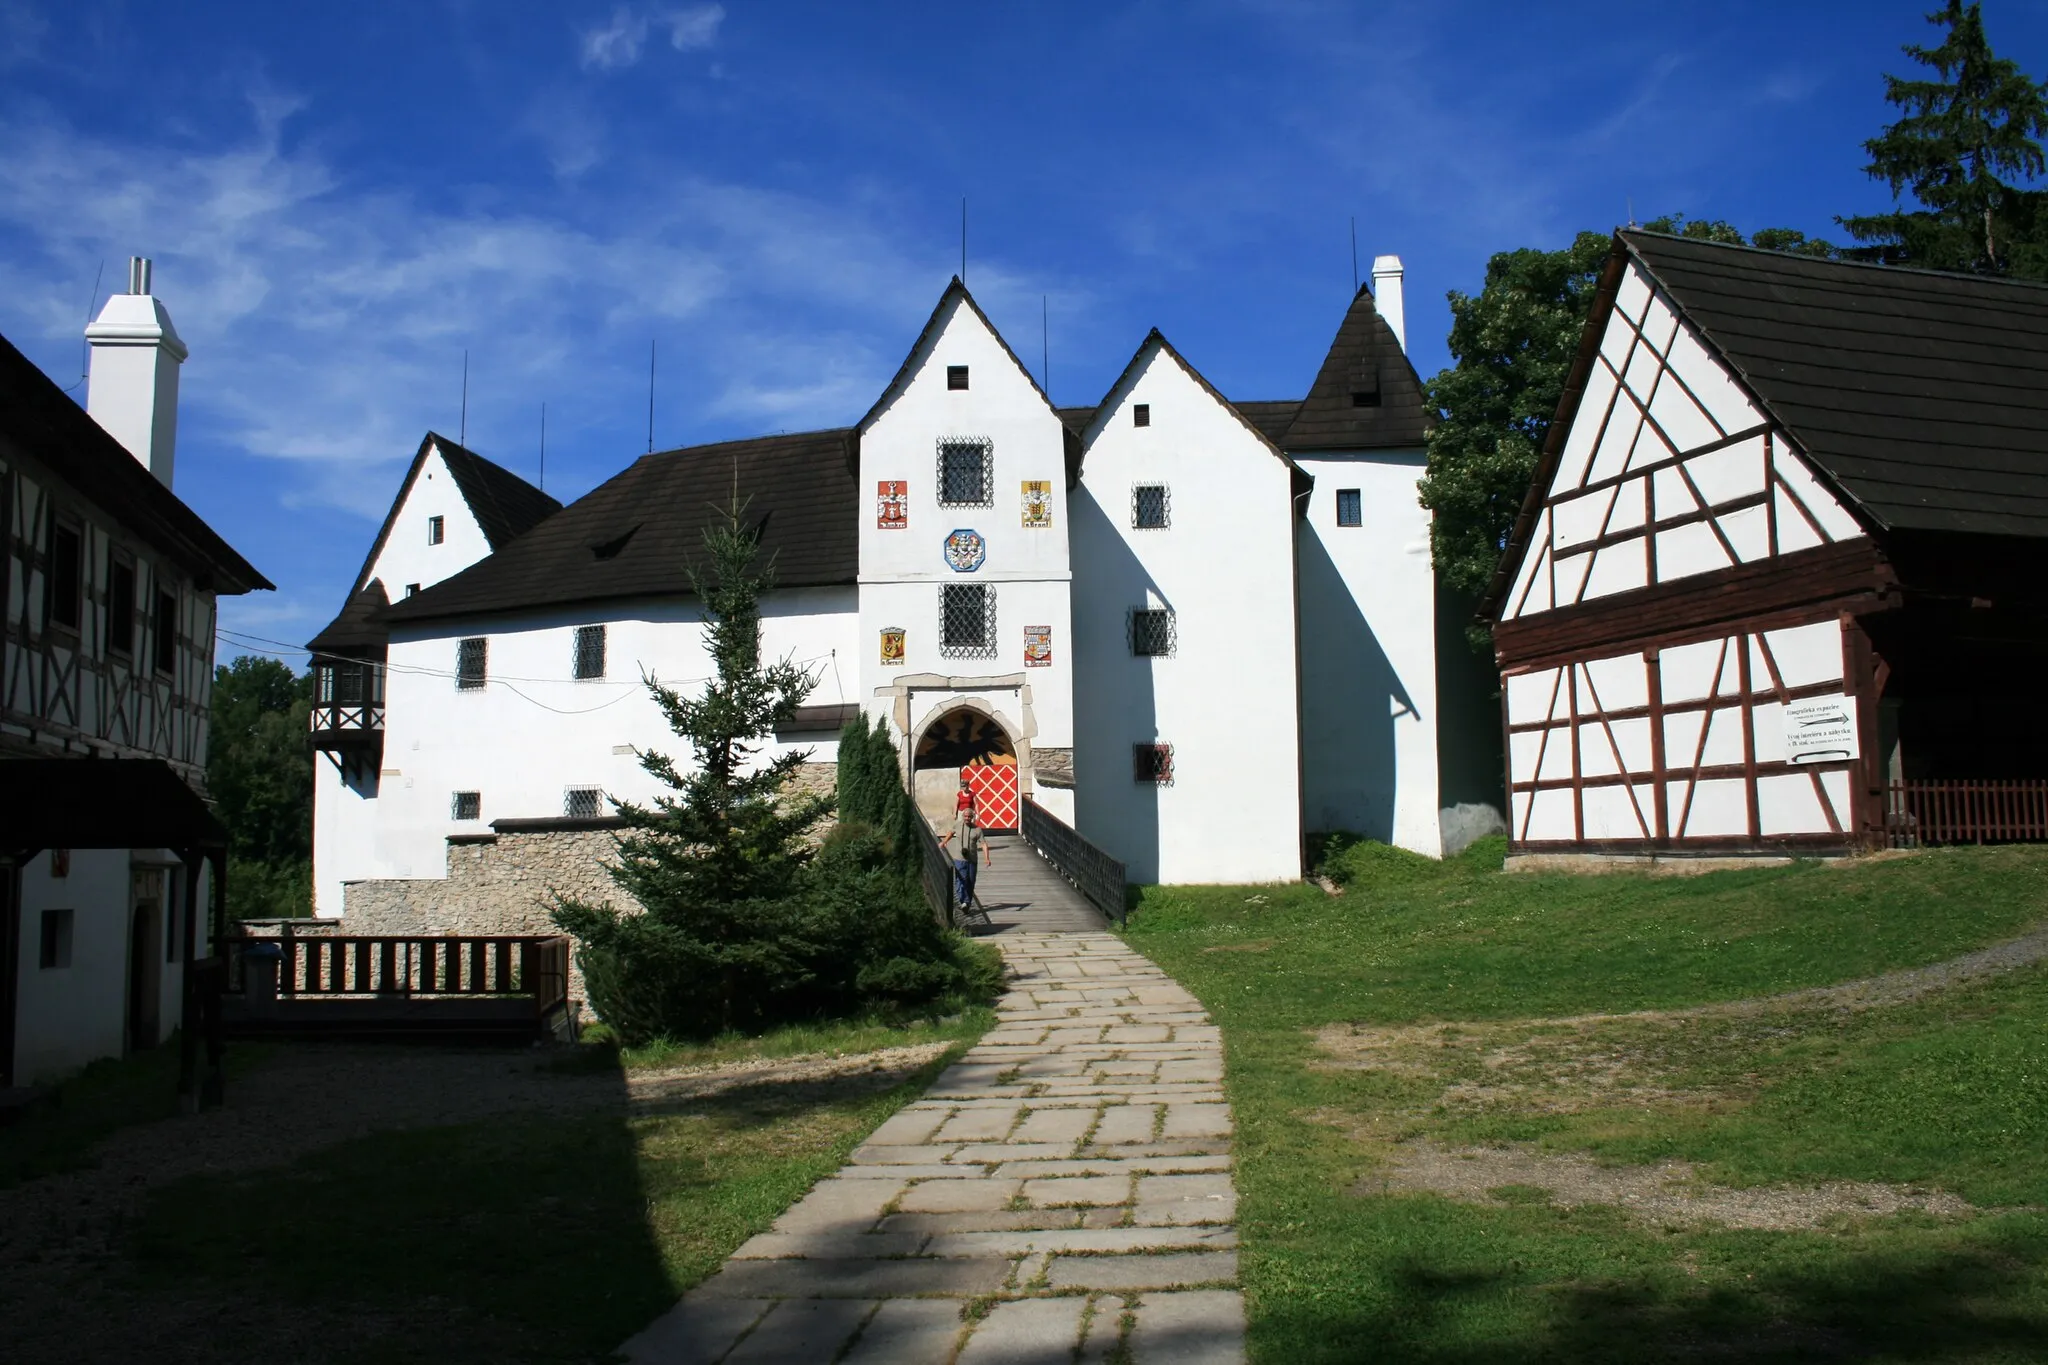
column 964, row 740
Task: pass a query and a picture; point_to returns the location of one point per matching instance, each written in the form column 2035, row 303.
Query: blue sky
column 341, row 200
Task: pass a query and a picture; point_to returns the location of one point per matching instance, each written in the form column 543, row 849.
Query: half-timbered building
column 1192, row 628
column 1778, row 584
column 110, row 584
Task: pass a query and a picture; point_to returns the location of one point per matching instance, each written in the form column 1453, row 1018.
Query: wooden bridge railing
column 413, row 966
column 1094, row 873
column 1921, row 813
column 935, row 869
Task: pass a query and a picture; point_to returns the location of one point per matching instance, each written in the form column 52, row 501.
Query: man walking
column 969, row 834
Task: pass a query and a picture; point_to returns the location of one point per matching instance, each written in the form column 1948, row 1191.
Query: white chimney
column 133, row 389
column 1386, row 296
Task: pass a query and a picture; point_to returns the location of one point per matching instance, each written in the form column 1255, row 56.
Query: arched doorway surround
column 966, row 739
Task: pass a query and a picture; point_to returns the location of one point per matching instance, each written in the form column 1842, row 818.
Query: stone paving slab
column 1062, row 1193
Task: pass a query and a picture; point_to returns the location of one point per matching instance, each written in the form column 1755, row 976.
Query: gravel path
column 1061, row 1194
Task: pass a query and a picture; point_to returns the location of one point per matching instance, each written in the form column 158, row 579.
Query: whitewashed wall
column 1225, row 699
column 1368, row 653
column 902, row 570
column 1668, row 471
column 68, row 1016
column 534, row 731
column 345, row 837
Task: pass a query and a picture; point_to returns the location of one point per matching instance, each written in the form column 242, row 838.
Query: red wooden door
column 995, row 794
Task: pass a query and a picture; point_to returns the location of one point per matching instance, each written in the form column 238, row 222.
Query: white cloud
column 618, row 43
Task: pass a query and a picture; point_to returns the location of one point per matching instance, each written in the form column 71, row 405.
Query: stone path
column 1061, row 1194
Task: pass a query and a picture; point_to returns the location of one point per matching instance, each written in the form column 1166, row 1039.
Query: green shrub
column 1370, row 862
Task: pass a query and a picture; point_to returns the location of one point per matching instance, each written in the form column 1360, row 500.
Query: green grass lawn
column 532, row 1237
column 1420, row 1011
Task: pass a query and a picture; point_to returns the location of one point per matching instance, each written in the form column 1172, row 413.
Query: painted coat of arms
column 965, row 549
column 1037, row 646
column 892, row 645
column 892, row 504
column 1037, row 504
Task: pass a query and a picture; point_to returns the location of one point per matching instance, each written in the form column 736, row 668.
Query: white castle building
column 1194, row 629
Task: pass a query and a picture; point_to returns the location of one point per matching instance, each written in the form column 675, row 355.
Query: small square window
column 583, row 803
column 590, row 651
column 166, row 632
column 1152, row 634
column 1349, row 512
column 437, row 530
column 66, row 582
column 1151, row 507
column 471, row 662
column 967, row 473
column 54, row 946
column 1152, row 764
column 121, row 608
column 1141, row 415
column 466, row 806
column 956, row 376
column 967, row 620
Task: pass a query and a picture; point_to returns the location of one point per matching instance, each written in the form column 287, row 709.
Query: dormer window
column 1365, row 398
column 437, row 530
column 1141, row 414
column 956, row 376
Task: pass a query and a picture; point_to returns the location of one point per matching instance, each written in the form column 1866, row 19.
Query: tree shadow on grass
column 1984, row 1303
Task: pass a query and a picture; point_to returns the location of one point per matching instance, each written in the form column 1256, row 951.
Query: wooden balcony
column 349, row 728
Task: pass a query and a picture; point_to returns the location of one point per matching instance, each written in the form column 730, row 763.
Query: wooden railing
column 1920, row 813
column 411, row 967
column 1094, row 873
column 346, row 717
column 936, row 872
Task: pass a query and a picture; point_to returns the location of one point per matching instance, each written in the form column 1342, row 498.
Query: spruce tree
column 1968, row 137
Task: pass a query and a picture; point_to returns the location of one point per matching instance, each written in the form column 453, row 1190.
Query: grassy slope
column 1951, row 1090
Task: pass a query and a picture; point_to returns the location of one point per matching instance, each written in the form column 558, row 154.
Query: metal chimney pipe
column 138, row 274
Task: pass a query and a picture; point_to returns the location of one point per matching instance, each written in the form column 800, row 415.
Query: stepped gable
column 40, row 420
column 1366, row 396
column 637, row 534
column 1922, row 395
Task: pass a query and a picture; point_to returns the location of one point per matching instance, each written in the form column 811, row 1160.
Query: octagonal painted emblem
column 965, row 550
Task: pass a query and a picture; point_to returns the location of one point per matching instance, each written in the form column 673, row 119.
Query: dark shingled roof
column 1271, row 417
column 506, row 506
column 40, row 421
column 357, row 628
column 637, row 534
column 1364, row 359
column 1924, row 396
column 103, row 803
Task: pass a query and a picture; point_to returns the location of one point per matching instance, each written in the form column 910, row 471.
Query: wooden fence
column 1918, row 814
column 1094, row 873
column 936, row 871
column 410, row 967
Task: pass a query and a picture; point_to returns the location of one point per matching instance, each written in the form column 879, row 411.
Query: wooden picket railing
column 412, row 967
column 1919, row 814
column 1093, row 873
column 936, row 871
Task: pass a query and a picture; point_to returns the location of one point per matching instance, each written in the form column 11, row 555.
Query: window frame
column 579, row 656
column 475, row 679
column 1141, row 414
column 164, row 623
column 1153, row 625
column 472, row 801
column 956, row 379
column 1152, row 764
column 986, row 449
column 75, row 564
column 1138, row 492
column 437, row 530
column 1357, row 507
column 987, row 647
column 571, row 796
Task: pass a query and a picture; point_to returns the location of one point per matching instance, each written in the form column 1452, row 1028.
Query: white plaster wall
column 406, row 557
column 1226, row 698
column 901, row 571
column 68, row 1016
column 344, row 833
column 534, row 731
column 1368, row 654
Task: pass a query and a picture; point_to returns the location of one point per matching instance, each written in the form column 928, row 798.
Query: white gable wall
column 1368, row 653
column 1225, row 700
column 902, row 570
column 344, row 814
